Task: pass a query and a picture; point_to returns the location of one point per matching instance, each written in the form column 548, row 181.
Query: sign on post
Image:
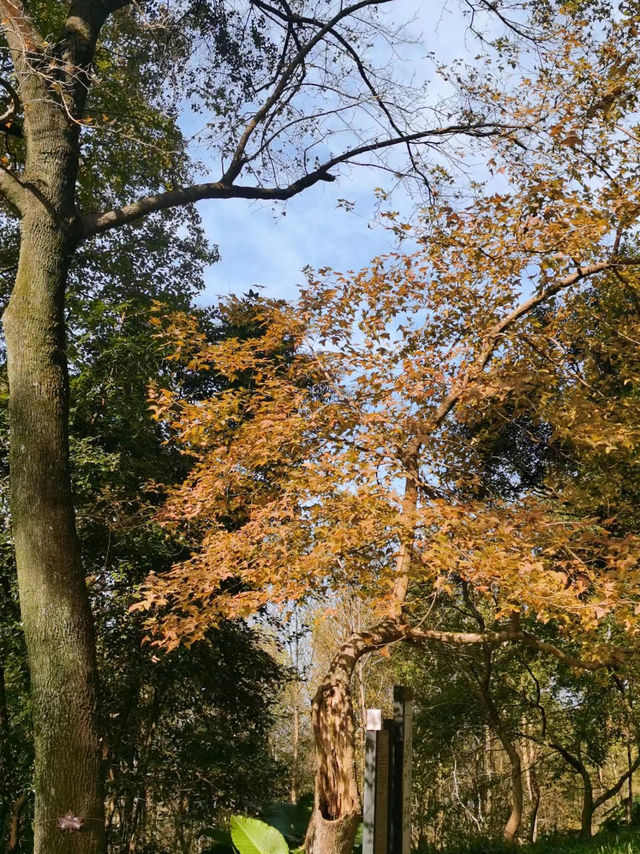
column 375, row 814
column 387, row 778
column 401, row 813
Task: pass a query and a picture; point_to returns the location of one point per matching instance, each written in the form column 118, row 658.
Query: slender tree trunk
column 534, row 788
column 295, row 758
column 5, row 785
column 488, row 759
column 586, row 818
column 512, row 826
column 53, row 598
column 138, row 807
column 629, row 798
column 15, row 822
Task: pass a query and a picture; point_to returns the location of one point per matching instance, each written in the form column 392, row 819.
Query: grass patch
column 626, row 841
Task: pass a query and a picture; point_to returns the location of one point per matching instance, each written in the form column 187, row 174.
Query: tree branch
column 14, row 102
column 403, row 558
column 494, row 335
column 609, row 793
column 421, row 636
column 569, row 758
column 12, row 189
column 97, row 223
column 79, row 37
column 287, row 75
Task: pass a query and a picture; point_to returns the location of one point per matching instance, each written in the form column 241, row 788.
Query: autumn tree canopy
column 355, row 466
column 341, row 448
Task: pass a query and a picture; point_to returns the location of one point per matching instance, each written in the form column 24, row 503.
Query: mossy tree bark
column 69, row 811
column 53, row 597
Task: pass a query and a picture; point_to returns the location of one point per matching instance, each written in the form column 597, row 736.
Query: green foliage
column 618, row 842
column 290, row 819
column 251, row 836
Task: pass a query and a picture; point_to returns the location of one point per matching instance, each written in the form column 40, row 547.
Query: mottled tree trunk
column 53, row 597
column 337, row 808
column 337, row 802
column 52, row 76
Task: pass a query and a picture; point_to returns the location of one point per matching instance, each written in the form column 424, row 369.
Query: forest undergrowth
column 621, row 841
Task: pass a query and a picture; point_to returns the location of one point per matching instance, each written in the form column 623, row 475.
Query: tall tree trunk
column 588, row 804
column 5, row 785
column 138, row 804
column 496, row 723
column 629, row 799
column 295, row 757
column 488, row 772
column 52, row 80
column 512, row 826
column 53, row 597
column 337, row 807
column 533, row 785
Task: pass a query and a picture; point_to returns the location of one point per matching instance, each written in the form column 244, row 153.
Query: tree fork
column 337, row 806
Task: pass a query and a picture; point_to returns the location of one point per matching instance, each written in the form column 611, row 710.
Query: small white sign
column 374, row 719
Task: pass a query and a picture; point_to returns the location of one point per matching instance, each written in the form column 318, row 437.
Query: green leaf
column 251, row 836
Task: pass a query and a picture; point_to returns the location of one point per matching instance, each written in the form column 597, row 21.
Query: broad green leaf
column 251, row 836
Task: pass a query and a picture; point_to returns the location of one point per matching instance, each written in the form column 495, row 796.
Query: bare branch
column 97, row 223
column 287, row 75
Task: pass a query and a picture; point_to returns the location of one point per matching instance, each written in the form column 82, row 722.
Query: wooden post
column 386, row 812
column 375, row 814
column 400, row 808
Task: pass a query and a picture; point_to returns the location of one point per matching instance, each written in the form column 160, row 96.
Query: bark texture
column 337, row 807
column 53, row 597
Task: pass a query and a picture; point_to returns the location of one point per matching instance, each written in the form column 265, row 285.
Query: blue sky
column 268, row 245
